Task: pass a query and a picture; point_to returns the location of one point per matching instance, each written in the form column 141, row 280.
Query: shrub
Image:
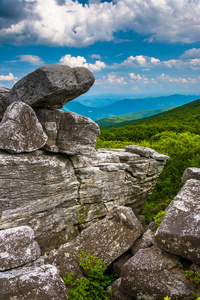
column 93, row 286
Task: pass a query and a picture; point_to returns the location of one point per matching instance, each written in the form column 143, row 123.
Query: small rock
column 20, row 130
column 17, row 247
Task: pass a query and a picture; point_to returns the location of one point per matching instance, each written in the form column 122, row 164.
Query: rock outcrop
column 51, row 86
column 76, row 198
column 57, row 195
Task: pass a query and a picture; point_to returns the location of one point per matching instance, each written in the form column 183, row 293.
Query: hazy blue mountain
column 128, row 105
column 126, row 119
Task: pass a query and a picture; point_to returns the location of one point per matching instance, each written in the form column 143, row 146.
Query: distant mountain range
column 127, row 119
column 126, row 106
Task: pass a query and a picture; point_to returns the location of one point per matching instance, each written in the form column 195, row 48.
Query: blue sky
column 131, row 46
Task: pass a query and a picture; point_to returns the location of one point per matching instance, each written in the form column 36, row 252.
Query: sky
column 131, row 46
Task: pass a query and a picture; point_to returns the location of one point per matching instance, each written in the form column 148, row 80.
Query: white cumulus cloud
column 70, row 23
column 32, row 59
column 9, row 77
column 80, row 61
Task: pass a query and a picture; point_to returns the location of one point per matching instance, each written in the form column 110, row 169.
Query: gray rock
column 59, row 195
column 3, row 100
column 147, row 240
column 107, row 239
column 68, row 132
column 17, row 247
column 146, row 152
column 32, row 283
column 118, row 293
column 20, row 130
column 155, row 273
column 52, row 86
column 41, row 193
column 191, row 173
column 179, row 231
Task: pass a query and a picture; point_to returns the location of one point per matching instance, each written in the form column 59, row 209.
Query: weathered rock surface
column 68, row 132
column 57, row 195
column 3, row 100
column 146, row 152
column 179, row 231
column 17, row 247
column 52, row 86
column 32, row 283
column 20, row 130
column 155, row 273
column 191, row 173
column 107, row 239
column 41, row 193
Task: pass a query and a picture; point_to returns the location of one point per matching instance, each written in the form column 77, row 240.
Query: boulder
column 20, row 130
column 179, row 231
column 146, row 152
column 17, row 247
column 52, row 86
column 106, row 239
column 68, row 132
column 32, row 283
column 154, row 273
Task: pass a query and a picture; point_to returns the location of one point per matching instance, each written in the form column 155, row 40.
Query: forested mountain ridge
column 126, row 119
column 125, row 106
column 175, row 133
column 180, row 119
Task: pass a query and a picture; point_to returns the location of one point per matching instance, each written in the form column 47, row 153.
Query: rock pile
column 59, row 196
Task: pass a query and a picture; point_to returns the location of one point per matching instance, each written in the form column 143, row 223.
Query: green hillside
column 175, row 133
column 127, row 119
column 181, row 119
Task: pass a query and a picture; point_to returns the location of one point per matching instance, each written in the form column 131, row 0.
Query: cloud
column 191, row 54
column 70, row 23
column 80, row 61
column 167, row 78
column 113, row 78
column 136, row 77
column 32, row 59
column 9, row 77
column 139, row 61
column 95, row 56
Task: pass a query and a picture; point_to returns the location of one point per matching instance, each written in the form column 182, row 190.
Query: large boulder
column 68, row 132
column 155, row 273
column 191, row 173
column 179, row 231
column 106, row 239
column 20, row 130
column 52, row 86
column 17, row 247
column 39, row 283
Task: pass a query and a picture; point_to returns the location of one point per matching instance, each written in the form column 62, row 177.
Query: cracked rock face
column 179, row 231
column 52, row 86
column 38, row 283
column 68, row 132
column 3, row 100
column 57, row 195
column 20, row 130
column 17, row 247
column 153, row 272
column 106, row 239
